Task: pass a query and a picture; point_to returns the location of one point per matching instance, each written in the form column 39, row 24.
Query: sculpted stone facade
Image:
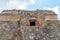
column 29, row 25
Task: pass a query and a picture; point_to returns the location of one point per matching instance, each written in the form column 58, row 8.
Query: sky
column 53, row 5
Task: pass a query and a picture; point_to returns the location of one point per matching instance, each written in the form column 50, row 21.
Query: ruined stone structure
column 29, row 25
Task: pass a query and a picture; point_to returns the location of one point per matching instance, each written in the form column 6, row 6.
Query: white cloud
column 12, row 3
column 20, row 4
column 32, row 1
column 55, row 9
column 23, row 5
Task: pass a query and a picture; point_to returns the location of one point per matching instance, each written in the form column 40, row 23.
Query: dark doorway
column 32, row 22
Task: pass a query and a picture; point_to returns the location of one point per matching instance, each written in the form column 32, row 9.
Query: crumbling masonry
column 29, row 25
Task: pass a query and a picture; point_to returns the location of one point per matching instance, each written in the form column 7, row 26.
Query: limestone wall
column 51, row 17
column 10, row 30
column 48, row 31
column 9, row 17
column 17, row 26
column 7, row 30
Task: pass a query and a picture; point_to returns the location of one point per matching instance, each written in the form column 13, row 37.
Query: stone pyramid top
column 21, row 11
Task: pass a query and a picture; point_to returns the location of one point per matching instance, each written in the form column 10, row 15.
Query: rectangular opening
column 32, row 23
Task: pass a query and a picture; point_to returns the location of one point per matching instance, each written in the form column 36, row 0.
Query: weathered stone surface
column 48, row 31
column 9, row 17
column 8, row 30
column 29, row 25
